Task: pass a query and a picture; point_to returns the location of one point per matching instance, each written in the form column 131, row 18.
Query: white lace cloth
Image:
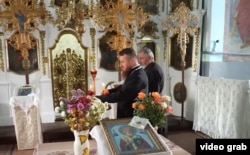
column 26, row 120
column 222, row 108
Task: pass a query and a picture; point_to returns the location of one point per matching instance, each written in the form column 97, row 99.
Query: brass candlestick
column 26, row 66
column 93, row 75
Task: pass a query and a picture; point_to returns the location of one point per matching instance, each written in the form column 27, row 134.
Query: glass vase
column 81, row 143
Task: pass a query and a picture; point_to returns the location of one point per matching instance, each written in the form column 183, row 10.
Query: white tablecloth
column 66, row 148
column 27, row 122
column 222, row 108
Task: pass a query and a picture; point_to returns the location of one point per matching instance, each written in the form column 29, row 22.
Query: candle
column 103, row 85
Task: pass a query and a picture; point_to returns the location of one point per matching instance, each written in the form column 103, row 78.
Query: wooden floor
column 179, row 131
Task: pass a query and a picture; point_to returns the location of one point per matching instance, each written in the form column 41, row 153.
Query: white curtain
column 222, row 108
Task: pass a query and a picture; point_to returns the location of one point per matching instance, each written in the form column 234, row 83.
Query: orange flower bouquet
column 153, row 106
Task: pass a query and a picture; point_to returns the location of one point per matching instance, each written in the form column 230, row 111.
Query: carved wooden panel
column 69, row 65
column 14, row 54
column 175, row 56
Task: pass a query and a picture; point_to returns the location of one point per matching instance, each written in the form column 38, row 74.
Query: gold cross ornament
column 182, row 23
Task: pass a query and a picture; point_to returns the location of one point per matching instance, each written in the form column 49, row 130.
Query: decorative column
column 1, row 53
column 93, row 55
column 164, row 34
column 92, row 58
column 44, row 58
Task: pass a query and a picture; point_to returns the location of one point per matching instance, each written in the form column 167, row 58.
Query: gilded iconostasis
column 55, row 45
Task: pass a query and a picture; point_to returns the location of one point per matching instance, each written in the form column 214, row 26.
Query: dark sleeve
column 112, row 90
column 128, row 91
column 156, row 80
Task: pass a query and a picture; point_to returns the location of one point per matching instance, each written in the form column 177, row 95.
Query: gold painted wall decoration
column 165, row 45
column 21, row 16
column 175, row 58
column 119, row 17
column 108, row 59
column 92, row 57
column 44, row 58
column 182, row 23
column 15, row 55
column 149, row 6
column 1, row 53
column 149, row 29
column 175, row 3
column 68, row 64
column 71, row 14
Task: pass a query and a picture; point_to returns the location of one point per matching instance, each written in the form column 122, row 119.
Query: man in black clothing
column 153, row 70
column 155, row 76
column 136, row 81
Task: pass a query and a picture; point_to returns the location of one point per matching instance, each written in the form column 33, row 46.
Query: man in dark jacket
column 155, row 75
column 153, row 70
column 136, row 81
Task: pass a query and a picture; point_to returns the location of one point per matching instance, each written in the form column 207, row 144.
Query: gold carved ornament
column 75, row 66
column 182, row 23
column 118, row 17
column 149, row 29
column 44, row 58
column 93, row 56
column 22, row 16
column 71, row 14
column 1, row 53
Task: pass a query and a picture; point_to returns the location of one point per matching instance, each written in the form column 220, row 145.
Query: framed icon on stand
column 24, row 90
column 124, row 139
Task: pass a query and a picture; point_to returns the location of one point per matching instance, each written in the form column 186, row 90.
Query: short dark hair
column 127, row 51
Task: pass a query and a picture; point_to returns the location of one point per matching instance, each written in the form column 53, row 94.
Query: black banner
column 225, row 146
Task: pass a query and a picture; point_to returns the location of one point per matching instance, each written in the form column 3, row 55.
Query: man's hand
column 105, row 91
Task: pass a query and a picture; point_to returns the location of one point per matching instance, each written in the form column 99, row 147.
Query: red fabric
column 243, row 20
